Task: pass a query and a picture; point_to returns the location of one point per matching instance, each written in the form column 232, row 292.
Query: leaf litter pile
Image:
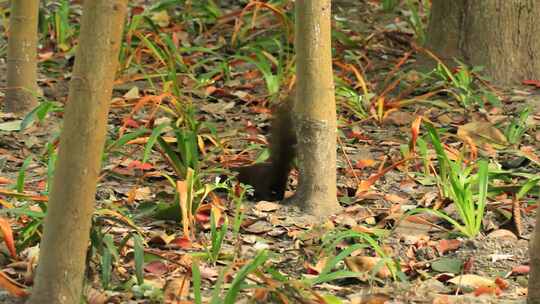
column 437, row 169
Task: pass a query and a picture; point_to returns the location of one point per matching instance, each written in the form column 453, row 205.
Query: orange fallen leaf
column 447, row 245
column 415, row 131
column 367, row 264
column 501, row 283
column 487, row 290
column 521, row 269
column 11, row 286
column 4, row 180
column 7, row 235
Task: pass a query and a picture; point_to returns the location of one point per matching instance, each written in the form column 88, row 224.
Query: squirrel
column 269, row 180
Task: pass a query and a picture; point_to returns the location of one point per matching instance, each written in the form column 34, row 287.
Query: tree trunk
column 533, row 296
column 59, row 277
column 497, row 34
column 315, row 110
column 22, row 89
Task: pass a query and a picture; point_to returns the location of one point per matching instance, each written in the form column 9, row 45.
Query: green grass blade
column 138, row 251
column 236, row 284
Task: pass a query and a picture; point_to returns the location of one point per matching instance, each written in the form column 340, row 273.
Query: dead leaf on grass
column 368, row 264
column 177, row 290
column 481, row 133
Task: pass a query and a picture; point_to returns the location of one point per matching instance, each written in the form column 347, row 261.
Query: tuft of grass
column 237, row 284
column 457, row 183
column 517, row 127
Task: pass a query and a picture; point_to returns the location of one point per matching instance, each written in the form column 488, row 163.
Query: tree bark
column 315, row 110
column 497, row 34
column 533, row 296
column 22, row 89
column 60, row 273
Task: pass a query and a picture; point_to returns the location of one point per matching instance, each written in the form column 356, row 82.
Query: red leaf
column 156, row 267
column 139, row 165
column 182, row 242
column 532, row 82
column 130, row 122
column 501, row 283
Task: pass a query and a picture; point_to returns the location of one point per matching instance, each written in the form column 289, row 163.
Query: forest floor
column 385, row 246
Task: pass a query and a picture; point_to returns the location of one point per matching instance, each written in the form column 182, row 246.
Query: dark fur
column 270, row 179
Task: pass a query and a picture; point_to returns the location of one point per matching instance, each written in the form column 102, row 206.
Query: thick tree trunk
column 59, row 277
column 315, row 109
column 497, row 34
column 22, row 87
column 534, row 276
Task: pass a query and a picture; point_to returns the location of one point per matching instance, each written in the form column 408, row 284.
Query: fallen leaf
column 472, row 281
column 490, row 290
column 14, row 125
column 532, row 82
column 444, row 246
column 161, row 18
column 481, row 133
column 11, row 286
column 132, row 94
column 444, row 264
column 502, row 283
column 5, row 181
column 177, row 290
column 7, row 235
column 94, row 296
column 521, row 269
column 317, row 268
column 265, row 206
column 367, row 264
column 503, row 234
column 259, row 227
column 156, row 267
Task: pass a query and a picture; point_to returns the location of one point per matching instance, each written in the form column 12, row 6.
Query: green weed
column 236, row 285
column 462, row 87
column 457, row 181
column 517, row 127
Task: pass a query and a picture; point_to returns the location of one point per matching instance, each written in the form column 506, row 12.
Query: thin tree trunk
column 534, row 276
column 315, row 109
column 500, row 35
column 22, row 88
column 60, row 273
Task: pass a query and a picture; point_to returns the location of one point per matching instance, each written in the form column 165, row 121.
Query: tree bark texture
column 497, row 34
column 60, row 273
column 315, row 109
column 533, row 296
column 22, row 89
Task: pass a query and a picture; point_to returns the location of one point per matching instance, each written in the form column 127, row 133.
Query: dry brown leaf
column 177, row 290
column 265, row 206
column 481, row 132
column 367, row 264
column 95, row 296
column 11, row 286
